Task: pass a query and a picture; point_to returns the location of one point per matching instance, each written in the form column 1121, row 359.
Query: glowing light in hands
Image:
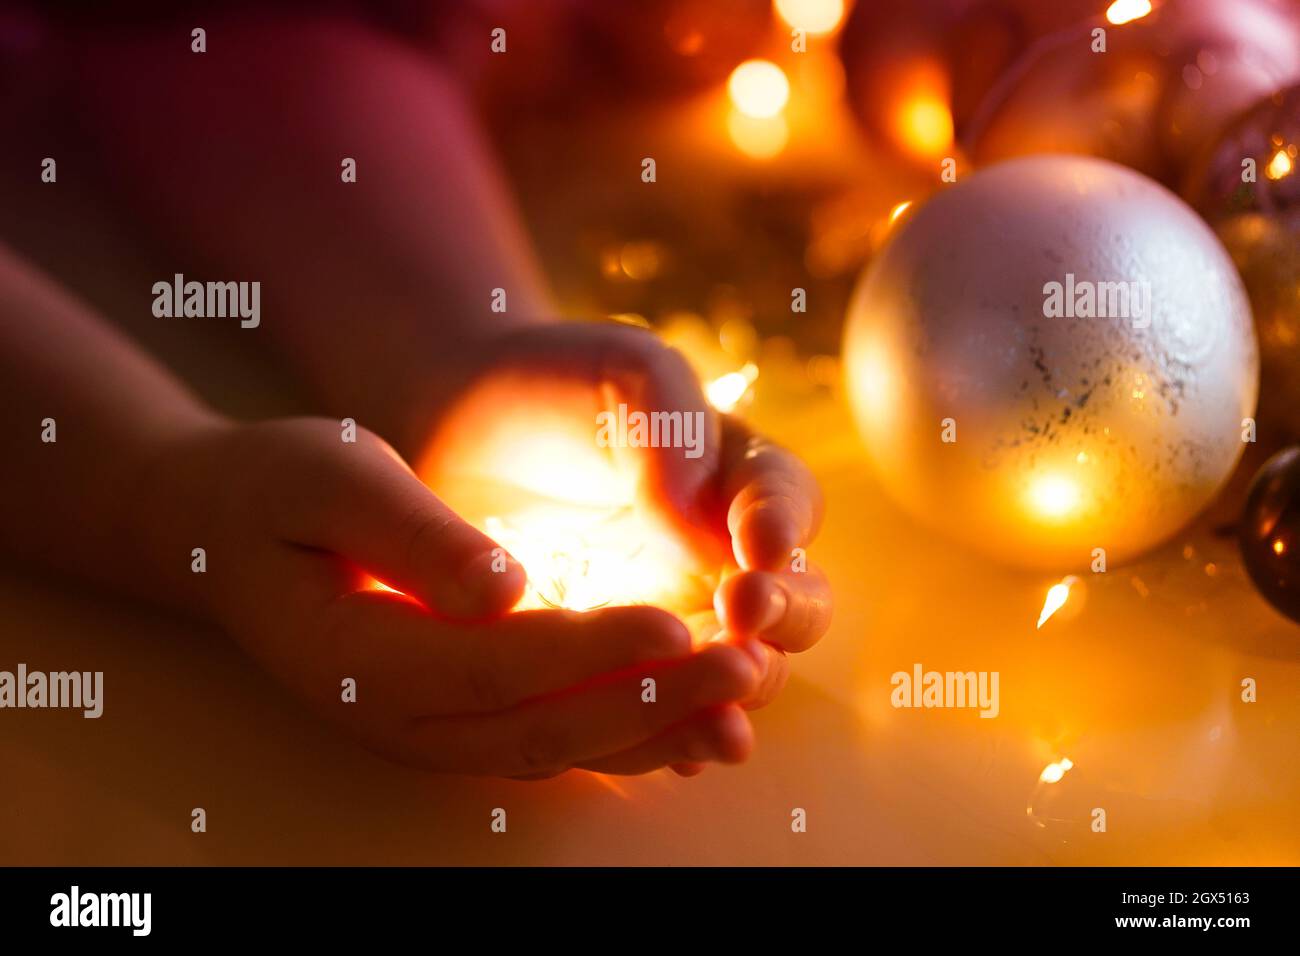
column 570, row 514
column 583, row 558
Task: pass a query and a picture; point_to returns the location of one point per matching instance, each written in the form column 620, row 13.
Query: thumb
column 364, row 503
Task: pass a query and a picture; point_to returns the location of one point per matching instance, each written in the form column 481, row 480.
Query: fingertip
column 731, row 735
column 776, row 671
column 750, row 602
column 766, row 534
column 687, row 769
column 490, row 585
column 730, row 674
column 505, row 587
column 721, row 734
column 654, row 633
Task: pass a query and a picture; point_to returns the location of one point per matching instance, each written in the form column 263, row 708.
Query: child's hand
column 303, row 519
column 391, row 330
column 743, row 496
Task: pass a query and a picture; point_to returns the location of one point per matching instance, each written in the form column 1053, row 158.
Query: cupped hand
column 741, row 498
column 435, row 673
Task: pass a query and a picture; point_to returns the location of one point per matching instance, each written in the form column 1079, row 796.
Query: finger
column 774, row 503
column 569, row 729
column 722, row 735
column 422, row 666
column 362, row 502
column 772, row 665
column 789, row 609
column 688, row 769
column 775, row 669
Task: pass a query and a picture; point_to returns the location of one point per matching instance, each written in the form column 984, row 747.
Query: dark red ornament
column 1270, row 531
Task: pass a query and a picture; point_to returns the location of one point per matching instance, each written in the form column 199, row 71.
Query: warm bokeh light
column 811, row 16
column 923, row 123
column 1279, row 166
column 759, row 88
column 1053, row 772
column 1056, row 597
column 630, row 318
column 1279, row 546
column 641, row 260
column 898, row 210
column 758, row 138
column 1126, row 11
column 725, row 392
column 1053, row 496
column 737, row 336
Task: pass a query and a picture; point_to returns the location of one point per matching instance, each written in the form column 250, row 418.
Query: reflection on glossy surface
column 1141, row 691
